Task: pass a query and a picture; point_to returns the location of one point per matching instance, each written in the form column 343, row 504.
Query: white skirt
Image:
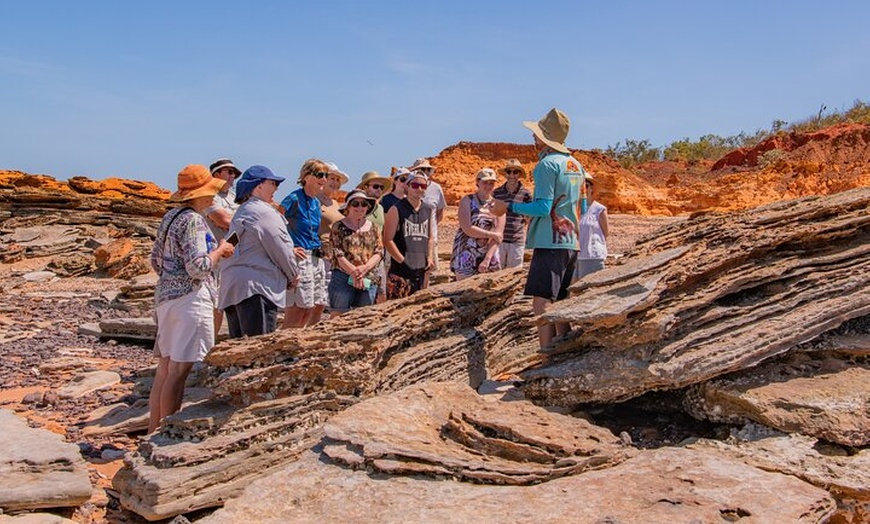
column 185, row 327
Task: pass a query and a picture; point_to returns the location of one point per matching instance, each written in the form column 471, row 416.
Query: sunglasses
column 357, row 203
column 418, row 185
column 402, row 179
column 512, row 171
column 377, row 186
column 320, row 174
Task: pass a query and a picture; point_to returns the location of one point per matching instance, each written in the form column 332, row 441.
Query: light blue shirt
column 555, row 209
column 263, row 262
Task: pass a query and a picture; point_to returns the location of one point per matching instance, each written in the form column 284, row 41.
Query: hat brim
column 369, row 200
column 488, row 179
column 211, row 188
column 536, row 129
column 224, row 166
column 343, row 177
column 504, row 169
column 388, row 183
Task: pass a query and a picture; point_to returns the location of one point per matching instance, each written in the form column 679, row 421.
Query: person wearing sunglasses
column 357, row 250
column 408, row 238
column 400, row 179
column 434, row 196
column 329, row 214
column 375, row 186
column 302, row 210
column 513, row 245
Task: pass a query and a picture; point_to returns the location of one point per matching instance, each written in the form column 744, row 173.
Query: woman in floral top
column 184, row 256
column 356, row 253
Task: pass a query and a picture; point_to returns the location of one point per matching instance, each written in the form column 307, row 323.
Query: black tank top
column 412, row 238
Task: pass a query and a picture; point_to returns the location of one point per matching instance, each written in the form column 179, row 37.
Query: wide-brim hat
column 221, row 163
column 486, row 174
column 513, row 163
column 357, row 194
column 372, row 176
column 422, row 163
column 195, row 181
column 334, row 170
column 552, row 129
column 251, row 178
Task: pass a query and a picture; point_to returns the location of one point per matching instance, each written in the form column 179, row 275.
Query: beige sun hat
column 486, row 174
column 552, row 129
column 513, row 163
column 357, row 194
column 422, row 163
column 195, row 181
column 372, row 176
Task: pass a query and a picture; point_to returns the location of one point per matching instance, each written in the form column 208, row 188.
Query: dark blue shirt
column 303, row 219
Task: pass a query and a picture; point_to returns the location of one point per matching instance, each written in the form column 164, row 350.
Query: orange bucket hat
column 196, row 181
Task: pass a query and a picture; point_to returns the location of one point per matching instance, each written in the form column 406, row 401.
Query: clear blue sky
column 140, row 89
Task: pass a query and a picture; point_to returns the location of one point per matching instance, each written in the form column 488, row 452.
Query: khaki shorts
column 310, row 290
column 185, row 327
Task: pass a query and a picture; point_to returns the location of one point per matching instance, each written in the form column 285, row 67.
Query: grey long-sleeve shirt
column 263, row 262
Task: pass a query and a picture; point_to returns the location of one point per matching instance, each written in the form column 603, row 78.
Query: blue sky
column 140, row 89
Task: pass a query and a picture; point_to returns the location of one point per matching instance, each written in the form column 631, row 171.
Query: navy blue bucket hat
column 251, row 178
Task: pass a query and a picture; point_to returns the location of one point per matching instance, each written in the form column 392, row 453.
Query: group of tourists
column 231, row 250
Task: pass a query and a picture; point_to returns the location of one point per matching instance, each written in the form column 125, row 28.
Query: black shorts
column 550, row 273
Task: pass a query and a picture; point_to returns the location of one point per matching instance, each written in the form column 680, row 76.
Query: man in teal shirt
column 555, row 211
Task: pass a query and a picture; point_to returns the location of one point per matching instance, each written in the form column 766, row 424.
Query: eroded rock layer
column 717, row 294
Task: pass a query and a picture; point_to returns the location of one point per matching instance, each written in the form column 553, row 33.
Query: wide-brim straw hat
column 552, row 129
column 195, row 181
column 513, row 163
column 357, row 194
column 373, row 176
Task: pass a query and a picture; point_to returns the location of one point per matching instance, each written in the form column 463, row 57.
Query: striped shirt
column 514, row 225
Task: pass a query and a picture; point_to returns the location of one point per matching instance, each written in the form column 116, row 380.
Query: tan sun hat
column 422, row 163
column 372, row 176
column 513, row 163
column 486, row 174
column 357, row 194
column 196, row 181
column 552, row 129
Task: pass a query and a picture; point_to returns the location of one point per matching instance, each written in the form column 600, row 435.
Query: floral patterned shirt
column 356, row 246
column 180, row 255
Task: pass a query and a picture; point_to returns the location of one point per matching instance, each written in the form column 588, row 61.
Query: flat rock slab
column 85, row 383
column 822, row 397
column 449, row 429
column 843, row 472
column 36, row 518
column 120, row 419
column 38, row 469
column 666, row 485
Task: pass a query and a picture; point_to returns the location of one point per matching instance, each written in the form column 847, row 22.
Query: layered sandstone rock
column 83, row 225
column 667, row 485
column 718, row 294
column 38, row 469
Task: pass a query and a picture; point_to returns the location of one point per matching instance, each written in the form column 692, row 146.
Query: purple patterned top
column 180, row 255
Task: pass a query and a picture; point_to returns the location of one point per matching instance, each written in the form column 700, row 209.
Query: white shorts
column 586, row 266
column 511, row 255
column 185, row 327
column 310, row 291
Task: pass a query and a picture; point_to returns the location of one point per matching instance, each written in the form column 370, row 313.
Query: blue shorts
column 344, row 297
